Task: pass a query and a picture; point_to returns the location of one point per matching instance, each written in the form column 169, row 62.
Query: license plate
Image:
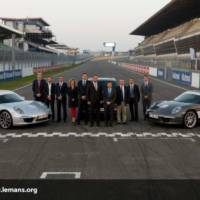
column 154, row 116
column 42, row 116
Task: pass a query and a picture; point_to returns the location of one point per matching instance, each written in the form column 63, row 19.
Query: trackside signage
column 182, row 77
column 161, row 73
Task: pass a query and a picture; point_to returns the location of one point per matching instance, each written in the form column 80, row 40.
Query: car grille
column 28, row 120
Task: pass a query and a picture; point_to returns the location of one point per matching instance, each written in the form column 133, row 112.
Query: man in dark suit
column 39, row 88
column 82, row 99
column 109, row 98
column 93, row 99
column 147, row 91
column 121, row 101
column 61, row 97
column 133, row 94
column 51, row 93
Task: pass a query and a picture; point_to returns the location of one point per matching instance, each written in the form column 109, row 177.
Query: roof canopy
column 172, row 15
column 59, row 46
column 26, row 19
column 6, row 32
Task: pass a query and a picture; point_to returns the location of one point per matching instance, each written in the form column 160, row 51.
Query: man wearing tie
column 82, row 99
column 109, row 98
column 61, row 97
column 51, row 93
column 39, row 88
column 121, row 102
column 93, row 99
column 133, row 94
column 146, row 90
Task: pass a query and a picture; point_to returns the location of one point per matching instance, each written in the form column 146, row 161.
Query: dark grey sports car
column 184, row 109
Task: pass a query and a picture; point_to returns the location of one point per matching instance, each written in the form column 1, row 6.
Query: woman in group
column 73, row 99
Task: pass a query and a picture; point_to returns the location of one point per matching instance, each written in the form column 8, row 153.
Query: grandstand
column 170, row 34
column 28, row 45
column 36, row 33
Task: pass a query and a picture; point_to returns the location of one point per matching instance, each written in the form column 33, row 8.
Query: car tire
column 190, row 119
column 5, row 120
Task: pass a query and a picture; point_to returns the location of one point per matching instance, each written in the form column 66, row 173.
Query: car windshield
column 188, row 98
column 10, row 98
column 103, row 83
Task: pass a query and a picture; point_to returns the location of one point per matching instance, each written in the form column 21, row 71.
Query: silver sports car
column 184, row 109
column 16, row 111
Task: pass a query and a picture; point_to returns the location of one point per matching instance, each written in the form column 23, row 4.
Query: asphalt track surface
column 134, row 151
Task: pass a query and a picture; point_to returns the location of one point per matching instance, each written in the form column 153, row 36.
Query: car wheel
column 190, row 119
column 5, row 120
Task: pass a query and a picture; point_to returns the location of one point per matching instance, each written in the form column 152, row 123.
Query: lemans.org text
column 18, row 190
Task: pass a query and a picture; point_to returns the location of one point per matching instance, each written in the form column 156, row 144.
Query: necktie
column 132, row 91
column 109, row 92
column 122, row 89
column 60, row 86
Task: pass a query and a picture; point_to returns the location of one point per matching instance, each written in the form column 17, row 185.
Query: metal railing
column 16, row 63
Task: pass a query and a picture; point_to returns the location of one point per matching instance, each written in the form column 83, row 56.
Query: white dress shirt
column 49, row 85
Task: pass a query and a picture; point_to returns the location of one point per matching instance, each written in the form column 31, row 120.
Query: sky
column 86, row 24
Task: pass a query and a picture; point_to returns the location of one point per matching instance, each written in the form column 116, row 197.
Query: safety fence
column 15, row 63
column 176, row 62
column 178, row 76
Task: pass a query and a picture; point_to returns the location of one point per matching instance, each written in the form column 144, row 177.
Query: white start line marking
column 115, row 136
column 4, row 140
column 77, row 175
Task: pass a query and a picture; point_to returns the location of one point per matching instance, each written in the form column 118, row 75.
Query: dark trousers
column 133, row 106
column 82, row 111
column 108, row 114
column 51, row 104
column 146, row 105
column 94, row 114
column 61, row 105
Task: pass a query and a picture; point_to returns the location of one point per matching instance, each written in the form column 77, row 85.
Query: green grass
column 14, row 84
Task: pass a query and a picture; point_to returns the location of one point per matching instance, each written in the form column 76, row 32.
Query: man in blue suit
column 109, row 97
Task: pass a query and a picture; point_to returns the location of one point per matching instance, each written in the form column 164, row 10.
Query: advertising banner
column 182, row 77
column 161, row 73
column 1, row 76
column 8, row 75
column 195, row 80
column 153, row 71
column 18, row 73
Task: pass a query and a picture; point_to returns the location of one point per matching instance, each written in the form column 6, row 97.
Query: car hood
column 28, row 107
column 168, row 105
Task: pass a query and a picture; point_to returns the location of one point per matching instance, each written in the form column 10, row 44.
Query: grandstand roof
column 6, row 32
column 173, row 14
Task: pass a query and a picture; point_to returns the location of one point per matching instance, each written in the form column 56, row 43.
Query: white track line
column 20, row 88
column 77, row 175
column 114, row 136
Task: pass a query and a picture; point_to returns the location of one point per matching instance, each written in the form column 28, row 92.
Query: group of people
column 86, row 98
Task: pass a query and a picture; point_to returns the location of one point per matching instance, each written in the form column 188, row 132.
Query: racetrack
column 133, row 151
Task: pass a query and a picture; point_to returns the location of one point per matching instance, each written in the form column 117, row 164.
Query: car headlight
column 18, row 110
column 153, row 104
column 176, row 110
